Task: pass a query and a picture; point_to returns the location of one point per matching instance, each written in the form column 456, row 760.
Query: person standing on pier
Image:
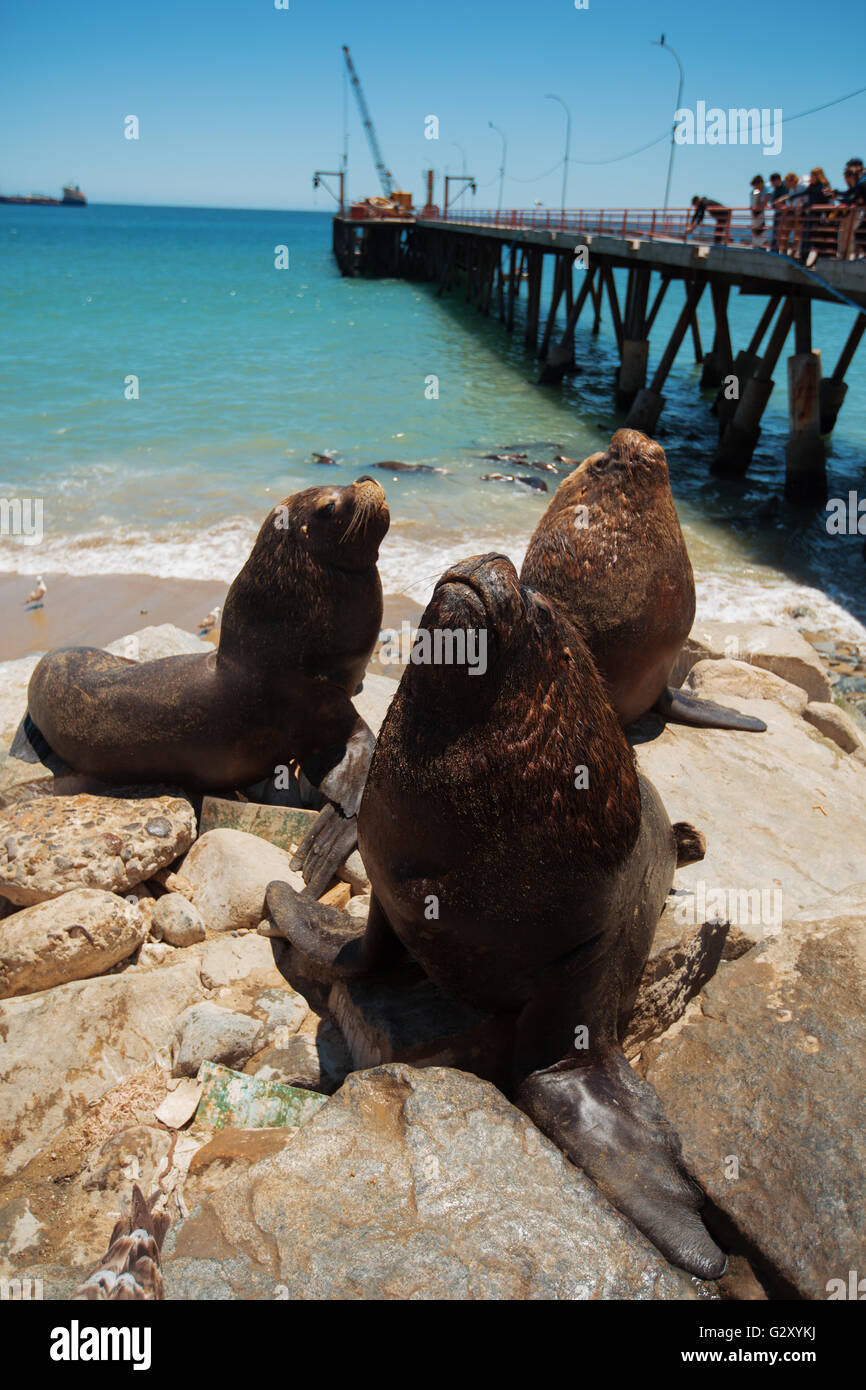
column 757, row 203
column 818, row 195
column 718, row 211
column 775, row 200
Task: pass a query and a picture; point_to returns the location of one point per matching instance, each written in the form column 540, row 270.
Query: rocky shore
column 313, row 1142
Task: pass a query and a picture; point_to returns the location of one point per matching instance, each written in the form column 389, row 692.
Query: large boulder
column 55, row 843
column 65, row 1048
column 79, row 934
column 763, row 1079
column 782, row 812
column 226, row 874
column 782, row 650
column 415, row 1184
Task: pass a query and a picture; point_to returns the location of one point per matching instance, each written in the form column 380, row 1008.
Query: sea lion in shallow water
column 515, row 854
column 610, row 553
column 299, row 625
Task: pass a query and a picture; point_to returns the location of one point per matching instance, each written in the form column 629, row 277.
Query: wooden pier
column 491, row 257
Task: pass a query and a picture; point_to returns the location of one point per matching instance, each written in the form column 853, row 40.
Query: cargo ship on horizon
column 72, row 198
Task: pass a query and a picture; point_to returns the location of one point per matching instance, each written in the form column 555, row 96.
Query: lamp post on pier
column 660, row 43
column 551, row 96
column 502, row 165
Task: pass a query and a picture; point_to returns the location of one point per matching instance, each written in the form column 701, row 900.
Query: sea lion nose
column 366, row 479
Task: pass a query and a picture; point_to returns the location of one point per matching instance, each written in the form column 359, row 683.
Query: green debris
column 246, row 1102
column 283, row 826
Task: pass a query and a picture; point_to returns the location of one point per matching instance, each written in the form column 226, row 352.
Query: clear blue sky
column 239, row 102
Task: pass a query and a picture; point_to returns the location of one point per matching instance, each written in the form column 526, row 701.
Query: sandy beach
column 93, row 610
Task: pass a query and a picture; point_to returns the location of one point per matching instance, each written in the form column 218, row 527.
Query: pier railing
column 830, row 230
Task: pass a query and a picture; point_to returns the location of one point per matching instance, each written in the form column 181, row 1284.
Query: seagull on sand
column 207, row 624
column 38, row 593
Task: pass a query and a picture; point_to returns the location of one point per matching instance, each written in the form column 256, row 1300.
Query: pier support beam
column 743, row 430
column 560, row 359
column 833, row 389
column 649, row 403
column 631, row 377
column 717, row 362
column 805, row 458
column 533, row 303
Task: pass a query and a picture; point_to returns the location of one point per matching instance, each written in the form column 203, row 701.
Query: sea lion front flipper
column 325, row 848
column 31, row 746
column 680, row 708
column 341, row 776
column 329, row 938
column 611, row 1124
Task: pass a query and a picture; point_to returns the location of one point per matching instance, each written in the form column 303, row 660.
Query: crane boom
column 367, row 122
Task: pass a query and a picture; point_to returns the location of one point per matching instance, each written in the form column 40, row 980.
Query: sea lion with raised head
column 299, row 625
column 516, row 855
column 610, row 553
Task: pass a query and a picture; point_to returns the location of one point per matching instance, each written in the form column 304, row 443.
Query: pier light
column 551, row 96
column 660, row 43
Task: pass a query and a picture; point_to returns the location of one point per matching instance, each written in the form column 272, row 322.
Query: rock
column 310, row 1063
column 234, row 1148
column 354, row 873
column 56, row 843
column 681, row 961
column 207, row 1033
column 64, row 1049
column 782, row 650
column 282, row 826
column 834, row 723
column 154, row 643
column 761, row 1083
column 176, row 921
column 79, row 934
column 283, row 1011
column 359, row 907
column 338, row 896
column 179, row 1106
column 132, row 1154
column 716, row 680
column 154, row 954
column 780, row 810
column 226, row 874
column 14, row 680
column 250, row 958
column 414, row 1184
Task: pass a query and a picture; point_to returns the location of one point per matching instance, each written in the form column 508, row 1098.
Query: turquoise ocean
column 245, row 370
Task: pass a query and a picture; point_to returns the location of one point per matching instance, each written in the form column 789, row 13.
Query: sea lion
column 299, row 625
column 517, row 856
column 395, row 466
column 536, row 484
column 610, row 553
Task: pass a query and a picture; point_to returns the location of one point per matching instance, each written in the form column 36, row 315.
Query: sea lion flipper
column 325, row 935
column 611, row 1124
column 325, row 848
column 680, row 708
column 31, row 746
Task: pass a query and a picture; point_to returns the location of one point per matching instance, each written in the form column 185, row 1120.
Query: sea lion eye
column 328, row 509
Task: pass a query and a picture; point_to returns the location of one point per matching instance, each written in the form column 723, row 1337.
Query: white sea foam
column 411, row 560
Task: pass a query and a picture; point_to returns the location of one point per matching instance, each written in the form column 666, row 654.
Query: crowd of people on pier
column 798, row 216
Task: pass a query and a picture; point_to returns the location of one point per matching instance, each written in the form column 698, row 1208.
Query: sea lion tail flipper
column 691, row 843
column 326, row 936
column 31, row 746
column 680, row 708
column 325, row 848
column 611, row 1124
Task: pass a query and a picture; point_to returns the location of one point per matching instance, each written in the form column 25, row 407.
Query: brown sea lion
column 299, row 625
column 610, row 553
column 517, row 856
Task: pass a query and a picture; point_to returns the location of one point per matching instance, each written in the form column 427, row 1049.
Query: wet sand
column 94, row 610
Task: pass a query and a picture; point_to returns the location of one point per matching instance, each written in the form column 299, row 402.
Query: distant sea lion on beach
column 610, row 553
column 328, row 459
column 517, row 856
column 299, row 625
column 537, row 484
